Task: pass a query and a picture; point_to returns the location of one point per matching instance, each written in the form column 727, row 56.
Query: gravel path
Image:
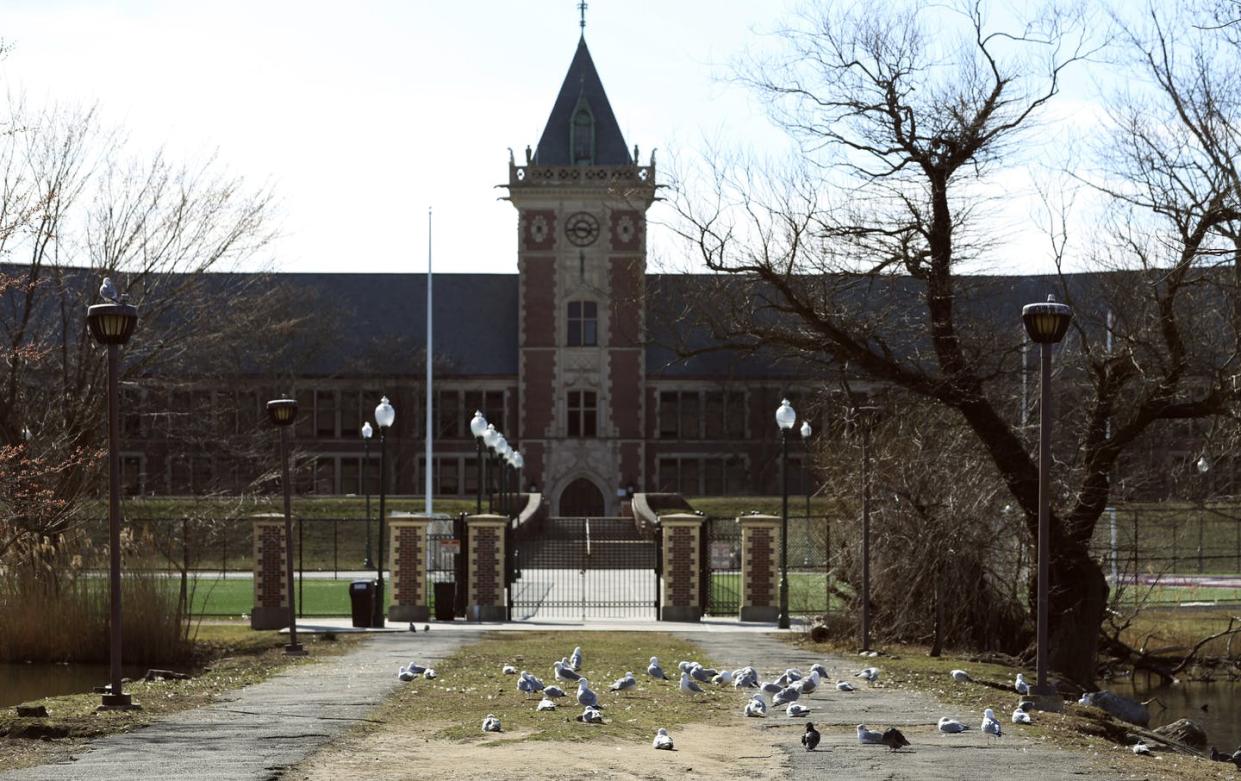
column 263, row 728
column 932, row 756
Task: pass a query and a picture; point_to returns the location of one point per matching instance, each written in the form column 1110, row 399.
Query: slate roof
column 582, row 83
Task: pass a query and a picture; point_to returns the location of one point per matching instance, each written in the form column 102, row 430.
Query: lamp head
column 478, row 424
column 786, row 416
column 489, row 435
column 806, row 430
column 1046, row 323
column 282, row 412
column 112, row 323
column 385, row 415
column 518, row 460
column 367, row 431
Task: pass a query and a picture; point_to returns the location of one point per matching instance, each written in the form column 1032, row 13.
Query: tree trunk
column 1077, row 604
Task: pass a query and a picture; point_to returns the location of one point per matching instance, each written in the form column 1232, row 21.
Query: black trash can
column 445, row 599
column 362, row 601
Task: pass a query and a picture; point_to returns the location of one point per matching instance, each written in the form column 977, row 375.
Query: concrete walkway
column 932, row 756
column 263, row 728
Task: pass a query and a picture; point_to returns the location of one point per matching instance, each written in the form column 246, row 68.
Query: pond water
column 1221, row 720
column 32, row 682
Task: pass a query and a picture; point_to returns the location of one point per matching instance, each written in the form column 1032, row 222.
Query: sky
column 362, row 115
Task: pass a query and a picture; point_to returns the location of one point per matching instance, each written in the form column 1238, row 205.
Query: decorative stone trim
column 486, row 596
column 408, row 564
column 680, row 594
column 760, row 567
column 271, row 597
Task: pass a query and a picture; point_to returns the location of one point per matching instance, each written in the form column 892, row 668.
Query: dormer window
column 582, row 136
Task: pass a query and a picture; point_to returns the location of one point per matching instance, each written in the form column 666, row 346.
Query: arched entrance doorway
column 581, row 499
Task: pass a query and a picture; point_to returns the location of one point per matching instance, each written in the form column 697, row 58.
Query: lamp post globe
column 282, row 413
column 367, row 432
column 111, row 325
column 806, row 430
column 478, row 424
column 786, row 416
column 1203, row 465
column 1046, row 323
column 385, row 416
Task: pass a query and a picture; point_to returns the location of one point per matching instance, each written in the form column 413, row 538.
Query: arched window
column 582, row 138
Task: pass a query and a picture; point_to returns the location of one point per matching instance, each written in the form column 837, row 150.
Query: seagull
column 509, row 670
column 545, row 704
column 820, row 669
column 810, row 738
column 702, row 673
column 575, row 658
column 563, row 672
column 961, row 676
column 524, row 684
column 416, row 668
column 755, row 707
column 662, row 740
column 771, row 687
column 585, row 696
column 491, row 723
column 724, row 678
column 688, row 686
column 1021, row 686
column 590, row 716
column 746, row 677
column 894, row 739
column 951, row 726
column 553, row 692
column 654, row 670
column 108, row 291
column 1020, row 716
column 871, row 674
column 809, row 683
column 845, row 686
column 868, row 737
column 786, row 695
column 990, row 724
column 624, row 684
column 1142, row 749
column 796, row 710
column 404, row 674
column 534, row 682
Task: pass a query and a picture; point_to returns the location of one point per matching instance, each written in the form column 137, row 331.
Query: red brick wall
column 625, row 313
column 486, row 589
column 626, row 374
column 409, row 584
column 680, row 566
column 271, row 566
column 760, row 568
column 538, row 393
column 630, row 464
column 538, row 301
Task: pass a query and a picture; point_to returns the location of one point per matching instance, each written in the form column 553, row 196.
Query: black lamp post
column 385, row 416
column 282, row 413
column 786, row 416
column 502, row 449
column 367, row 433
column 1046, row 324
column 490, row 438
column 865, row 417
column 806, row 431
column 478, row 427
column 112, row 324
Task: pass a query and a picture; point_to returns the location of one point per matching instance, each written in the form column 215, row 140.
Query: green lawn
column 235, row 596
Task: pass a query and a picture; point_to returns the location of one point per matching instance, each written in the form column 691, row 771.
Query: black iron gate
column 579, row 568
column 720, row 560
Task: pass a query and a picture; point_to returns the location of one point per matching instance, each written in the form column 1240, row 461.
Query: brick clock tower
column 581, row 199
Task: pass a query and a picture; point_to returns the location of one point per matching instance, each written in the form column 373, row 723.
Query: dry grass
column 1175, row 631
column 232, row 656
column 471, row 685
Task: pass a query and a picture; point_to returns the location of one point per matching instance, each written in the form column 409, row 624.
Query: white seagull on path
column 990, row 724
column 868, row 737
column 491, row 723
column 662, row 740
column 796, row 710
column 1020, row 716
column 952, row 726
column 755, row 707
column 1021, row 686
column 590, row 716
column 961, row 676
column 845, row 686
column 871, row 674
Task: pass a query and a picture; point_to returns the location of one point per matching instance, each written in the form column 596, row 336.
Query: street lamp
column 1204, row 465
column 490, row 437
column 282, row 413
column 112, row 324
column 1046, row 323
column 385, row 415
column 806, row 431
column 367, row 433
column 519, row 461
column 786, row 416
column 478, row 427
column 865, row 417
column 501, row 448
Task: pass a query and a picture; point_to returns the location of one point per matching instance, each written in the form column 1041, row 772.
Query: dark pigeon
column 893, row 739
column 811, row 737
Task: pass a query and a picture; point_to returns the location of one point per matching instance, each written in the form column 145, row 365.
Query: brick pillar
column 760, row 567
column 486, row 598
column 679, row 593
column 407, row 548
column 271, row 598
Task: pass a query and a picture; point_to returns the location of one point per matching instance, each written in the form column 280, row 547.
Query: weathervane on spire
column 581, row 7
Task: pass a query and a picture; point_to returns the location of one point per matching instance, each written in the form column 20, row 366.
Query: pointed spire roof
column 582, row 85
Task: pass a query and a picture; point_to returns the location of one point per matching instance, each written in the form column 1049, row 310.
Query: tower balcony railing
column 576, row 175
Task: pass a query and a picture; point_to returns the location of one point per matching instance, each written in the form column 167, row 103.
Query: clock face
column 581, row 229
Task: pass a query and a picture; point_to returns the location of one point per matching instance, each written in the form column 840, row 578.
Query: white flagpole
column 430, row 417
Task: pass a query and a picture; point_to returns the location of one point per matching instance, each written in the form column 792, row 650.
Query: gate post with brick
column 271, row 598
column 486, row 550
column 760, row 567
column 681, row 597
column 408, row 565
